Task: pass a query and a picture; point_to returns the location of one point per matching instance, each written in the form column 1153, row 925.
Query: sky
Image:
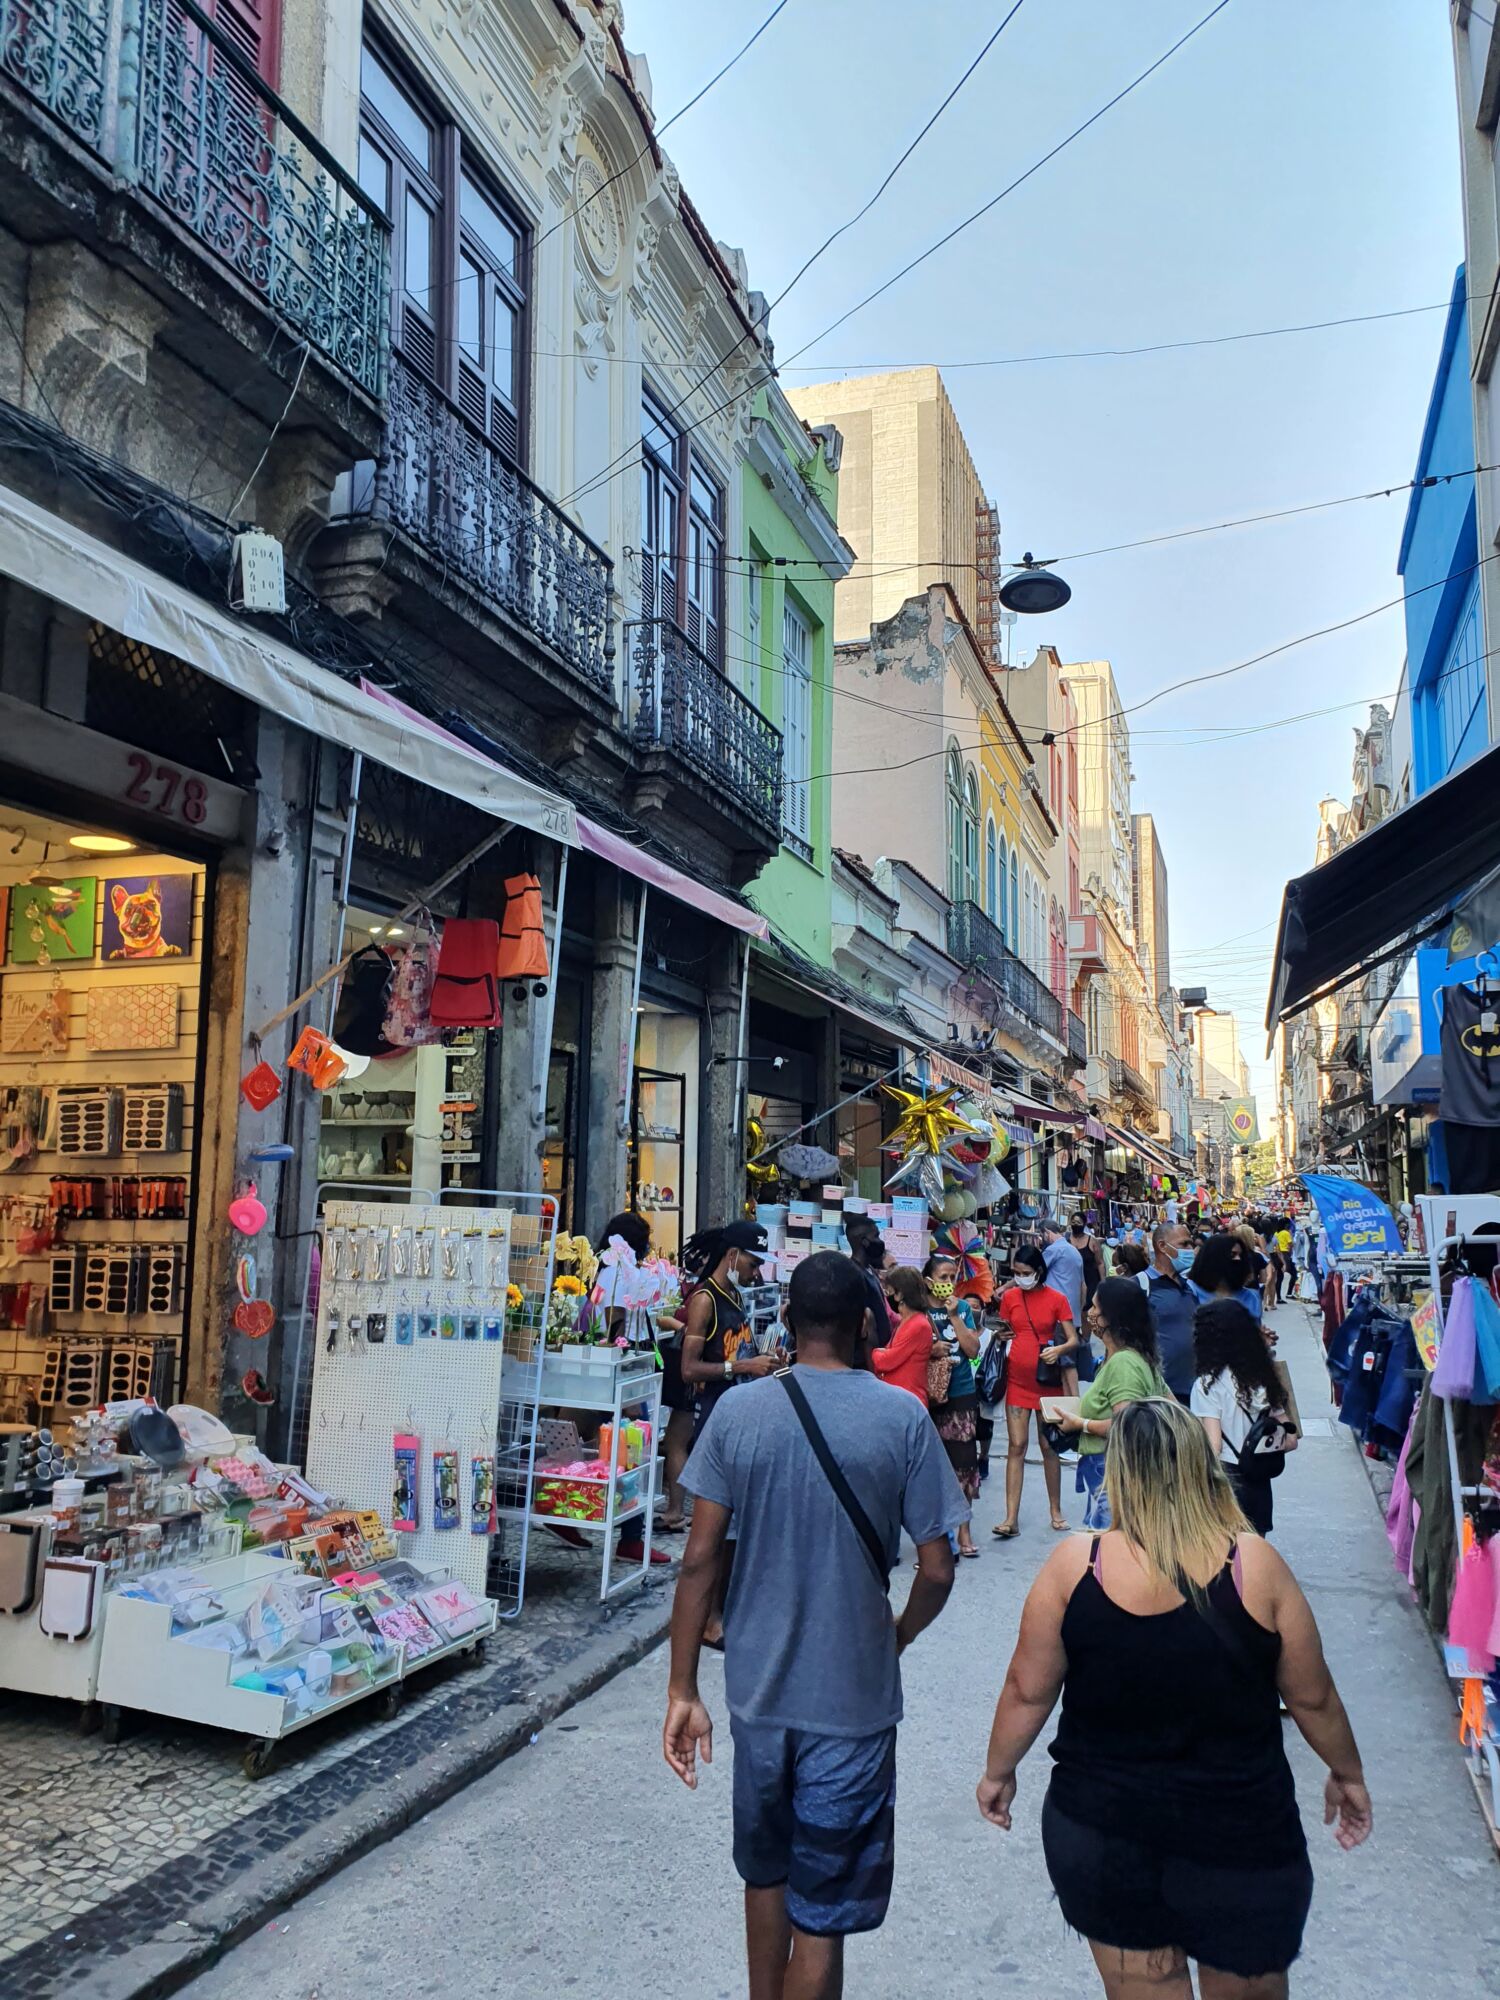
column 1293, row 162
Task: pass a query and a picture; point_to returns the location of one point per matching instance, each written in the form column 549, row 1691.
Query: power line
column 631, row 455
column 1019, row 181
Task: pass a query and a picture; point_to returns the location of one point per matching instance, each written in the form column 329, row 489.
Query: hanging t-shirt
column 1471, row 1058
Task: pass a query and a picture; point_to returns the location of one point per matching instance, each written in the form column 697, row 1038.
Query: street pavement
column 583, row 1865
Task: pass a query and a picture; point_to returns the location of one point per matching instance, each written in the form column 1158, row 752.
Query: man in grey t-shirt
column 811, row 1647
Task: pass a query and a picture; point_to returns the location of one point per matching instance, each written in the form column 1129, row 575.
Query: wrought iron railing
column 58, row 52
column 1078, row 1037
column 170, row 103
column 680, row 701
column 443, row 482
column 1126, row 1081
column 975, row 941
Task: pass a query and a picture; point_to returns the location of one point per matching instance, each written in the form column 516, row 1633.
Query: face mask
column 1026, row 1280
column 1183, row 1261
column 942, row 1289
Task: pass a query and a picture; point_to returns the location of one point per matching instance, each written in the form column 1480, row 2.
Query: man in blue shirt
column 1173, row 1305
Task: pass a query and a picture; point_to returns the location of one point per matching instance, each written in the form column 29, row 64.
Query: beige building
column 910, row 500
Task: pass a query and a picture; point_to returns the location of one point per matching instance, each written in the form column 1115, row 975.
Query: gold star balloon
column 926, row 1122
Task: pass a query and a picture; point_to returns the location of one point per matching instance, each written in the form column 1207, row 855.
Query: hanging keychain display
column 408, row 1450
column 445, row 1487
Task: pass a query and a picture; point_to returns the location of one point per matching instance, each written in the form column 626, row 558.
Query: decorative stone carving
column 598, row 214
column 593, row 332
column 643, row 277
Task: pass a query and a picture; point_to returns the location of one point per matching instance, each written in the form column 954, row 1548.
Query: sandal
column 1062, row 1527
column 969, row 1555
column 1004, row 1534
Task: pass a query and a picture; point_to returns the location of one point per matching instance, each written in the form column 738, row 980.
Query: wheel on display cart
column 111, row 1722
column 89, row 1719
column 388, row 1705
column 260, row 1754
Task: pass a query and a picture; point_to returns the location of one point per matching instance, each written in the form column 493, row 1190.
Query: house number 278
column 163, row 789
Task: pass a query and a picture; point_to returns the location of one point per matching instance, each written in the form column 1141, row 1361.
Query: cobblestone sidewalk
column 123, row 1868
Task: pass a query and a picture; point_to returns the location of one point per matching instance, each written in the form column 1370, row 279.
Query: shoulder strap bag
column 843, row 1492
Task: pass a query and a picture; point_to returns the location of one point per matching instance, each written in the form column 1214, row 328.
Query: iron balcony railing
column 168, row 102
column 1078, row 1037
column 1127, row 1081
column 975, row 941
column 449, row 488
column 680, row 701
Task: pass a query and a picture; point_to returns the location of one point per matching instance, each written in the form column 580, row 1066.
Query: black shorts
column 1246, row 1921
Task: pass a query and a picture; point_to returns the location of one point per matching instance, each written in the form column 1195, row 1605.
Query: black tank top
column 1170, row 1732
column 727, row 1334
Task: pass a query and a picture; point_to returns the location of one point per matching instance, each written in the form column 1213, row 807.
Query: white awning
column 45, row 553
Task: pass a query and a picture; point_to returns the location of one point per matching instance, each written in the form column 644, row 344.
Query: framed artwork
column 52, row 923
column 147, row 917
column 131, row 1017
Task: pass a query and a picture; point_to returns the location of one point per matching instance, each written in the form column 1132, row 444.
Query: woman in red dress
column 1040, row 1331
column 904, row 1362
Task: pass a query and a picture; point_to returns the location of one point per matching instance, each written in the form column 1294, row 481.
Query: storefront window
column 664, row 1125
column 101, row 940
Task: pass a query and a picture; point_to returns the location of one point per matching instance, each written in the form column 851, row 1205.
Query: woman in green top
column 1121, row 1316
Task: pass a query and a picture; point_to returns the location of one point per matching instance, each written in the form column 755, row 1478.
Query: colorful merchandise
column 408, row 1021
column 445, row 1487
column 466, row 992
column 523, row 943
column 483, row 1518
column 404, row 1491
column 147, row 917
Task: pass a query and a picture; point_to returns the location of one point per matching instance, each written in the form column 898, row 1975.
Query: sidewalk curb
column 263, row 1888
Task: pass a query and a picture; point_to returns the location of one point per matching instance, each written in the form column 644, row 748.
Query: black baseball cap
column 744, row 1236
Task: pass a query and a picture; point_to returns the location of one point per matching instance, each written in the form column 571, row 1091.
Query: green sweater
column 1127, row 1377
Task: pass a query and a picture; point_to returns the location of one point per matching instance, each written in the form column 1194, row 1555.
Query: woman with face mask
column 956, row 1330
column 1035, row 1319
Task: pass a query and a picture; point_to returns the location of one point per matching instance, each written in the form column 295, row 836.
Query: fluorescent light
column 101, row 843
column 394, row 930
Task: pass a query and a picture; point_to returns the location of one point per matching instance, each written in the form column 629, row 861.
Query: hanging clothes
column 1471, row 1089
column 1401, row 1510
column 1471, row 1616
column 523, row 942
column 1434, row 1546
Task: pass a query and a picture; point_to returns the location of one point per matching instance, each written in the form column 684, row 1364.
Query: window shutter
column 254, row 26
column 796, row 740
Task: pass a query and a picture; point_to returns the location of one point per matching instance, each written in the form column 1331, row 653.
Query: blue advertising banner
column 1357, row 1221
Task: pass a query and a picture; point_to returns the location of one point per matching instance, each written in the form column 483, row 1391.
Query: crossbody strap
column 843, row 1492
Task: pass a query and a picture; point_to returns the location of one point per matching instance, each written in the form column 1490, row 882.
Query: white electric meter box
column 258, row 578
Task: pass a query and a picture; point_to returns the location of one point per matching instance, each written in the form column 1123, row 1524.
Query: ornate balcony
column 58, row 52
column 976, row 942
column 479, row 520
column 173, row 108
column 1126, row 1081
column 682, row 704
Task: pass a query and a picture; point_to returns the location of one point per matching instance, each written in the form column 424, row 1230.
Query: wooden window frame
column 677, row 464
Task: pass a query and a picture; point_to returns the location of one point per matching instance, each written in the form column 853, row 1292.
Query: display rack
column 658, row 1153
column 614, row 1387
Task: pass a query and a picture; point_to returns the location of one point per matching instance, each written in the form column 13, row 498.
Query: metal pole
column 628, row 1033
column 346, row 871
column 539, row 1112
column 742, row 1066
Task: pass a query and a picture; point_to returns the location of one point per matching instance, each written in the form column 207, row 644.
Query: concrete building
column 912, row 503
column 1148, row 902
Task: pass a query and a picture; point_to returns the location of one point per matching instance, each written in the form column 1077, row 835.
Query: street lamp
column 1032, row 587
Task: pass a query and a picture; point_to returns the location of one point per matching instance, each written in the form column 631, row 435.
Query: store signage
column 96, row 766
column 1357, row 1220
column 1424, row 1326
column 164, row 789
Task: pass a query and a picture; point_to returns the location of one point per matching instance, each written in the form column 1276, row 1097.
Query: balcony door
column 682, row 533
column 796, row 728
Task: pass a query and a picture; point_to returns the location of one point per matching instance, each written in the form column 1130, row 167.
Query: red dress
column 1035, row 1319
column 904, row 1362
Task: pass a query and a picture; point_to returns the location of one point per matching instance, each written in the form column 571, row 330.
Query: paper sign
column 1424, row 1325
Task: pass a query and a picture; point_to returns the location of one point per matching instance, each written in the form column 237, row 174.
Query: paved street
column 581, row 1861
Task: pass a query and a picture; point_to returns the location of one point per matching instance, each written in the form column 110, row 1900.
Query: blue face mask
column 1183, row 1261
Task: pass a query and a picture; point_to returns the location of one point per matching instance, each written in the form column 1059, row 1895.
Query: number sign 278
column 163, row 789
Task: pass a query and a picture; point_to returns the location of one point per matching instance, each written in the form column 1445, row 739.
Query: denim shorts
column 1245, row 1921
column 817, row 1813
column 1089, row 1481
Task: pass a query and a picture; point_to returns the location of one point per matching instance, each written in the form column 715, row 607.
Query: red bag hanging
column 466, row 992
column 523, row 943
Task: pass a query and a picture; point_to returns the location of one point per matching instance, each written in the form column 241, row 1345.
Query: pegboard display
column 411, row 1345
column 101, row 971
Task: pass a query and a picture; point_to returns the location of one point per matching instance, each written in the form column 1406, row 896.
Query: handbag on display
column 364, row 997
column 466, row 991
column 408, row 1018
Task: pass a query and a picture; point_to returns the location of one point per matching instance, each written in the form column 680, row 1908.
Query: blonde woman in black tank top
column 1170, row 1826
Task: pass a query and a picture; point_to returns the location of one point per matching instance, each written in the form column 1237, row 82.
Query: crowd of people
column 1174, row 1637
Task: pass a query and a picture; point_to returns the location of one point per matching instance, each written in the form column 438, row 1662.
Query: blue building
column 1445, row 687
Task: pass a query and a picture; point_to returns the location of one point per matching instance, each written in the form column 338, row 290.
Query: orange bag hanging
column 523, row 943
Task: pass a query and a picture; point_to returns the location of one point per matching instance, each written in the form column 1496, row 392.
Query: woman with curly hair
column 1121, row 1316
column 1235, row 1384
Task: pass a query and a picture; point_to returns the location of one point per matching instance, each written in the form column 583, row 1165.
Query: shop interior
column 101, row 972
column 664, row 1123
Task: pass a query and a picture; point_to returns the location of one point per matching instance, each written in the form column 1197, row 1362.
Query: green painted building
column 793, row 557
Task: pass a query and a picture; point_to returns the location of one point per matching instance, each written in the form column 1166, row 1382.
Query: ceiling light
column 394, row 930
column 376, row 929
column 101, row 843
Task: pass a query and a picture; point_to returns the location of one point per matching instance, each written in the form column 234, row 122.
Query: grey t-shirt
column 1065, row 1275
column 809, row 1639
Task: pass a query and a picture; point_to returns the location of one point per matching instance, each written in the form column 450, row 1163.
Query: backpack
column 1267, row 1442
column 364, row 996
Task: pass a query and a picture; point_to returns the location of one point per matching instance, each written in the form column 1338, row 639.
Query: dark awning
column 1391, row 887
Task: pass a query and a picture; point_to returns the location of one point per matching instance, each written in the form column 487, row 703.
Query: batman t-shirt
column 1471, row 1057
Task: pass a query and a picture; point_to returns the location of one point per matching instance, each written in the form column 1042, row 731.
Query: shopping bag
column 466, row 992
column 1453, row 1377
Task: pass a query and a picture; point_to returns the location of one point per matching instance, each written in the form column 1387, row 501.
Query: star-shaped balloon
column 926, row 1122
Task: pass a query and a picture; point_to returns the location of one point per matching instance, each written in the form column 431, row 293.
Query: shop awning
column 1393, row 885
column 1136, row 1142
column 1043, row 1114
column 1093, row 1129
column 996, row 1102
column 611, row 847
column 48, row 555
